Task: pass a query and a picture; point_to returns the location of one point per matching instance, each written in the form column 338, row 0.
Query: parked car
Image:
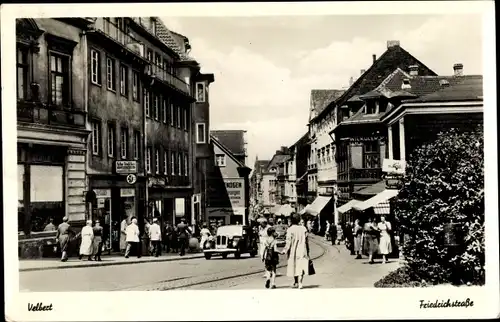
column 233, row 239
column 280, row 234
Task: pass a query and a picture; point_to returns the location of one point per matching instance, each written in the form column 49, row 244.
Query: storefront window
column 20, row 196
column 46, row 195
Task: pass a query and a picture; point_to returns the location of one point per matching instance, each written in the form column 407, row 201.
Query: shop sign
column 101, row 203
column 102, row 193
column 156, row 181
column 127, row 192
column 396, row 167
column 125, row 167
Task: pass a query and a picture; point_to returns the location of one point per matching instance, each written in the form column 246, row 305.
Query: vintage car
column 232, row 239
column 280, row 234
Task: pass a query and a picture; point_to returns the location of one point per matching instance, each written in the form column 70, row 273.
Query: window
column 146, row 102
column 22, row 73
column 371, row 156
column 200, row 133
column 172, row 114
column 96, row 137
column 148, row 160
column 158, row 60
column 96, row 66
column 165, row 162
column 111, row 140
column 150, row 55
column 157, row 161
column 186, row 125
column 172, row 163
column 137, row 144
column 220, row 160
column 179, row 163
column 153, row 25
column 110, row 74
column 124, row 80
column 371, row 107
column 59, row 79
column 124, row 143
column 135, row 85
column 156, row 104
column 179, row 117
column 200, row 92
column 165, row 110
column 186, row 168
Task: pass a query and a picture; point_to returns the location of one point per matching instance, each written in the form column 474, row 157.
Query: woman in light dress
column 87, row 244
column 123, row 235
column 357, row 233
column 371, row 234
column 385, row 247
column 205, row 234
column 297, row 246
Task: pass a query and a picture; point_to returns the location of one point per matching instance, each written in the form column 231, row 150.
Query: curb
column 99, row 264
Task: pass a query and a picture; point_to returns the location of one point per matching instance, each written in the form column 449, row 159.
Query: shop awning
column 382, row 197
column 275, row 209
column 348, row 206
column 382, row 208
column 304, row 210
column 318, row 204
column 286, row 210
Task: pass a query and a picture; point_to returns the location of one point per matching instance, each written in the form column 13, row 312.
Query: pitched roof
column 394, row 55
column 261, row 165
column 461, row 89
column 320, row 98
column 302, row 139
column 227, row 151
column 233, row 139
column 277, row 159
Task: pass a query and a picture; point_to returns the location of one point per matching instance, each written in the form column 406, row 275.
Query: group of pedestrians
column 296, row 248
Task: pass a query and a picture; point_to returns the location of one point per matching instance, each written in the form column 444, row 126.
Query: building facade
column 228, row 187
column 300, row 151
column 256, row 187
column 51, row 123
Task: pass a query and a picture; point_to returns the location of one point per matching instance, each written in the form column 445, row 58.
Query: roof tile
column 234, row 140
column 320, row 98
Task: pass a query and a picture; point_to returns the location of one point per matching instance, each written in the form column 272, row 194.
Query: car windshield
column 233, row 230
column 280, row 228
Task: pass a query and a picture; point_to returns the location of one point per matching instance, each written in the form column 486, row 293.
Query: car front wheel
column 224, row 256
column 208, row 256
column 237, row 255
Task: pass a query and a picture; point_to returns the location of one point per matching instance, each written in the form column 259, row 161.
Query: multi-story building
column 228, row 179
column 290, row 170
column 271, row 185
column 429, row 104
column 256, row 189
column 299, row 152
column 51, row 125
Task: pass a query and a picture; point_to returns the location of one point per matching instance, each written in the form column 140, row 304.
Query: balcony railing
column 368, row 174
column 114, row 32
column 37, row 113
column 173, row 80
column 312, row 166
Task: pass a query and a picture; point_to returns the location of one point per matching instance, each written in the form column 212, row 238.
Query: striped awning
column 348, row 206
column 382, row 208
column 380, row 198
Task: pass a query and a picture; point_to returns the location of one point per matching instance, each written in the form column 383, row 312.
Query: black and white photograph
column 315, row 153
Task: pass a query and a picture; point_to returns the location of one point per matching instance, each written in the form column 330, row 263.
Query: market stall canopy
column 286, row 210
column 348, row 206
column 382, row 197
column 318, row 204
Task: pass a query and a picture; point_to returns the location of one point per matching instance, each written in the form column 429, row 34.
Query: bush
column 444, row 184
column 402, row 277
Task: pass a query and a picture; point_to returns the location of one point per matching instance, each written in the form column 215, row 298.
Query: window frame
column 223, row 164
column 124, row 140
column 156, row 106
column 96, row 140
column 95, row 63
column 179, row 164
column 137, row 145
column 136, row 88
column 204, row 141
column 157, row 161
column 124, row 80
column 172, row 163
column 111, row 139
column 172, row 114
column 25, row 66
column 111, row 77
column 204, row 92
column 179, row 116
column 165, row 162
column 370, row 152
column 147, row 103
column 65, row 74
column 148, row 160
column 185, row 116
column 186, row 164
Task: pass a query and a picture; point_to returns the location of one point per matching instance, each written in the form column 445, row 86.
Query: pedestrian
column 333, row 233
column 50, row 226
column 297, row 245
column 182, row 233
column 264, row 226
column 133, row 240
column 205, row 234
column 339, row 234
column 87, row 243
column 98, row 232
column 370, row 239
column 155, row 237
column 385, row 246
column 123, row 235
column 62, row 238
column 309, row 225
column 270, row 258
column 357, row 234
column 147, row 224
column 327, row 230
column 169, row 233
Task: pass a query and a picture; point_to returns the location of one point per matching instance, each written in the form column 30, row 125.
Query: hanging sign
column 131, row 178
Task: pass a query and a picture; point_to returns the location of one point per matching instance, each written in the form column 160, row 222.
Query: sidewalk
column 335, row 269
column 26, row 265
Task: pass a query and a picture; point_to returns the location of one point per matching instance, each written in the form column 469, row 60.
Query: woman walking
column 86, row 246
column 357, row 233
column 298, row 246
column 205, row 233
column 62, row 238
column 98, row 230
column 270, row 258
column 371, row 234
column 385, row 246
column 123, row 235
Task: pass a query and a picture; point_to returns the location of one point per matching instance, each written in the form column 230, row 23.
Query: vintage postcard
column 244, row 161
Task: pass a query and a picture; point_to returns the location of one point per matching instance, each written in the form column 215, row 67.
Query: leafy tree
column 444, row 183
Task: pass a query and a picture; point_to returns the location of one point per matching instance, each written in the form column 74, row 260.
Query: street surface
column 335, row 268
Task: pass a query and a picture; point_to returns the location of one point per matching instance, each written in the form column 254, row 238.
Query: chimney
column 363, row 71
column 351, row 81
column 374, row 57
column 413, row 70
column 459, row 69
column 392, row 43
column 284, row 149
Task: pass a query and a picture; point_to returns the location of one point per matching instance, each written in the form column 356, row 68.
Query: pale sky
column 266, row 67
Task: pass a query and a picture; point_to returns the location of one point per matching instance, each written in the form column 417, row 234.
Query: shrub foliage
column 444, row 184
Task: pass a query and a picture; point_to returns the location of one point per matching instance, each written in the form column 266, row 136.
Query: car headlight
column 235, row 243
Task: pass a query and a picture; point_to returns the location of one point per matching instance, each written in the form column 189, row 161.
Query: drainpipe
column 86, row 109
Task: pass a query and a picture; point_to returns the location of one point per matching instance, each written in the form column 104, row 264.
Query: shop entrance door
column 103, row 213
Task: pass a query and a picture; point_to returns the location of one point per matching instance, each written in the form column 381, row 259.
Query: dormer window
column 371, row 107
column 152, row 23
column 382, row 106
column 406, row 84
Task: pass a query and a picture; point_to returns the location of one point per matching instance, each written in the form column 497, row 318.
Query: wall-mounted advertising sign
column 126, row 167
column 396, row 167
column 236, row 192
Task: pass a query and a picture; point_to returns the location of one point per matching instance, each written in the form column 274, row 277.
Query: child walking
column 270, row 258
